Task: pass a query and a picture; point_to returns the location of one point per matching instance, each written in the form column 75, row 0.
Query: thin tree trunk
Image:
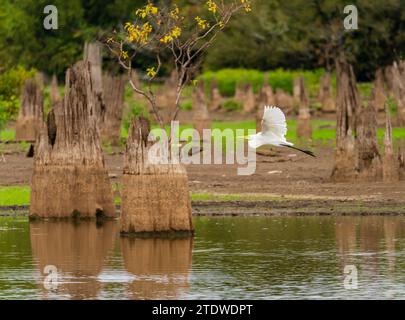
column 31, row 112
column 70, row 178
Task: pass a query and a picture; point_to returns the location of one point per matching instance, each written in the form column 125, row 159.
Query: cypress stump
column 304, row 128
column 390, row 163
column 249, row 99
column 155, row 197
column 114, row 90
column 31, row 112
column 379, row 96
column 325, row 94
column 54, row 95
column 266, row 98
column 216, row 98
column 347, row 105
column 70, row 178
column 369, row 162
column 201, row 117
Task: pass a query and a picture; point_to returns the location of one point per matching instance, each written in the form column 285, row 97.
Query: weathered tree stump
column 369, row 162
column 155, row 197
column 378, row 91
column 325, row 94
column 266, row 98
column 114, row 90
column 297, row 91
column 93, row 54
column 55, row 95
column 240, row 93
column 70, row 178
column 284, row 101
column 31, row 112
column 249, row 101
column 216, row 98
column 347, row 104
column 304, row 128
column 166, row 98
column 390, row 163
column 398, row 82
column 201, row 117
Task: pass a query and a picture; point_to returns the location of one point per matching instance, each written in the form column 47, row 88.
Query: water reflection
column 232, row 257
column 161, row 267
column 77, row 250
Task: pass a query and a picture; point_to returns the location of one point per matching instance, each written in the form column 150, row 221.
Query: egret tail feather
column 308, row 152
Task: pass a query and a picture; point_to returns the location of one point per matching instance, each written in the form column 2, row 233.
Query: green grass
column 20, row 195
column 14, row 196
column 7, row 134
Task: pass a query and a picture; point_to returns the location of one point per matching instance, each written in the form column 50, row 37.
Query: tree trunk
column 379, row 96
column 297, row 91
column 70, row 178
column 325, row 94
column 166, row 98
column 92, row 53
column 114, row 90
column 216, row 98
column 390, row 163
column 398, row 80
column 266, row 98
column 347, row 104
column 31, row 112
column 304, row 128
column 284, row 101
column 155, row 197
column 55, row 95
column 249, row 99
column 240, row 93
column 369, row 162
column 201, row 117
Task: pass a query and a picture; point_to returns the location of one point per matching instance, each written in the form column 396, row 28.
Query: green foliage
column 11, row 82
column 228, row 79
column 186, row 105
column 231, row 105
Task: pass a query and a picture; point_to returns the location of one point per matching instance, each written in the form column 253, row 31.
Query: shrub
column 228, row 79
column 186, row 105
column 231, row 105
column 11, row 82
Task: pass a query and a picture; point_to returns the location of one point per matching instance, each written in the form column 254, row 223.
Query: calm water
column 257, row 258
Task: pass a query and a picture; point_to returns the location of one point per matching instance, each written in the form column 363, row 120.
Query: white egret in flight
column 274, row 129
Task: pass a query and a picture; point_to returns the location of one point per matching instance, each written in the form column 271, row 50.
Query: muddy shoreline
column 296, row 207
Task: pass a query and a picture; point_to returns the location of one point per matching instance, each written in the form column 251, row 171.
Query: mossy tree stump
column 70, row 178
column 30, row 115
column 155, row 197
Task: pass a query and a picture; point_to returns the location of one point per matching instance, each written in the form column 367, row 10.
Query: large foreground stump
column 155, row 197
column 70, row 178
column 114, row 90
column 347, row 104
column 31, row 112
column 304, row 128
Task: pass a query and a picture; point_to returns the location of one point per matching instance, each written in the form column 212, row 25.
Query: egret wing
column 274, row 122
